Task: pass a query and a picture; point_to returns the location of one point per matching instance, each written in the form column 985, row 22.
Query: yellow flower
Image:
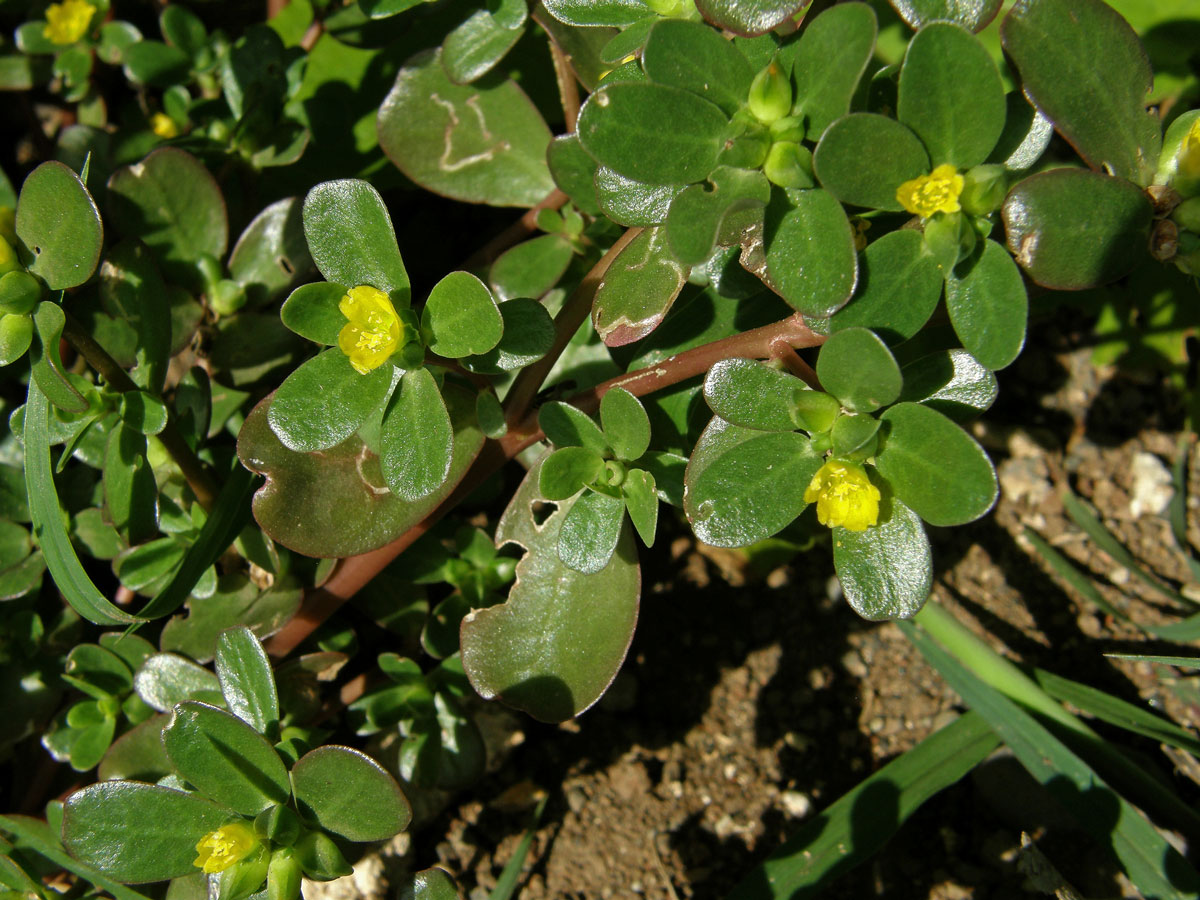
column 68, row 21
column 374, row 330
column 222, row 848
column 164, row 126
column 936, row 192
column 844, row 496
column 1189, row 152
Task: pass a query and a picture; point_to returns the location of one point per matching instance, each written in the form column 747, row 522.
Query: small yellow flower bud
column 164, row 126
column 933, row 193
column 68, row 21
column 220, row 849
column 844, row 496
column 373, row 331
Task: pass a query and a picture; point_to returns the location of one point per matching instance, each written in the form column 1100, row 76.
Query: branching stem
column 194, row 471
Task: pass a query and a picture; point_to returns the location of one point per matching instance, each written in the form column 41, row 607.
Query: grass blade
column 1177, row 508
column 1103, row 538
column 1155, row 867
column 1186, row 662
column 1117, row 712
column 61, row 559
column 1184, row 630
column 507, row 882
column 37, row 836
column 861, row 821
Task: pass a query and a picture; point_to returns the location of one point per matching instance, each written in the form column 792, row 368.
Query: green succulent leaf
column 349, row 794
column 748, row 17
column 556, row 644
column 271, row 255
column 1071, row 229
column 567, row 426
column 653, row 132
column 337, row 503
column 479, row 143
column 59, row 224
column 1099, row 108
column 886, row 571
column 325, row 401
column 417, row 437
column 574, row 172
column 633, row 203
column 700, row 215
column 857, row 368
column 136, row 832
column 246, row 679
column 225, row 758
column 863, row 158
column 744, row 485
column 811, row 260
column 641, row 502
column 951, row 95
column 590, row 531
column 172, row 204
column 131, row 289
column 167, row 679
column 692, row 56
column 236, row 601
column 899, row 285
column 638, row 289
column 934, row 467
column 750, row 394
column 625, row 423
column 461, row 317
column 952, row 382
column 988, row 307
column 567, row 470
column 311, row 311
column 974, row 15
column 351, row 239
column 474, row 48
column 532, row 267
column 827, row 63
column 618, row 13
column 528, row 336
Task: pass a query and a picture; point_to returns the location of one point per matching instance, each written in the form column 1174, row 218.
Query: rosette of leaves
column 81, row 734
column 411, row 414
column 264, row 814
column 750, row 472
column 441, row 746
column 602, row 461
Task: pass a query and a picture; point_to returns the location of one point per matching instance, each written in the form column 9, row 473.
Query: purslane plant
column 764, row 267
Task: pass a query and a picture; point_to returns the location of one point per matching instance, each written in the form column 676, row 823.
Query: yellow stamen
column 220, row 849
column 933, row 193
column 844, row 496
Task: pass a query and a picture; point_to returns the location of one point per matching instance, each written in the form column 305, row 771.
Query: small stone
column 1152, row 486
column 795, row 804
column 853, row 663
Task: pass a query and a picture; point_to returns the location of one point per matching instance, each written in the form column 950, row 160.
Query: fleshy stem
column 568, row 87
column 573, row 314
column 197, row 476
column 354, row 572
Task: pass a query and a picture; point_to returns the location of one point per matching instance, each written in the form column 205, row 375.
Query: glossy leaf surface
column 652, row 132
column 349, row 794
column 744, row 485
column 171, row 203
column 952, row 382
column 246, row 679
column 461, row 317
column 863, row 158
column 1085, row 68
column 810, row 251
column 750, row 394
column 416, row 438
column 225, row 758
column 625, row 423
column 935, row 467
column 974, row 15
column 886, row 572
column 748, row 17
column 556, row 644
column 136, row 832
column 692, row 56
column 899, row 284
column 857, row 368
column 351, row 239
column 590, row 531
column 988, row 307
column 1072, row 229
column 951, row 95
column 476, row 143
column 827, row 63
column 637, row 289
column 325, row 401
column 59, row 224
column 337, row 503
